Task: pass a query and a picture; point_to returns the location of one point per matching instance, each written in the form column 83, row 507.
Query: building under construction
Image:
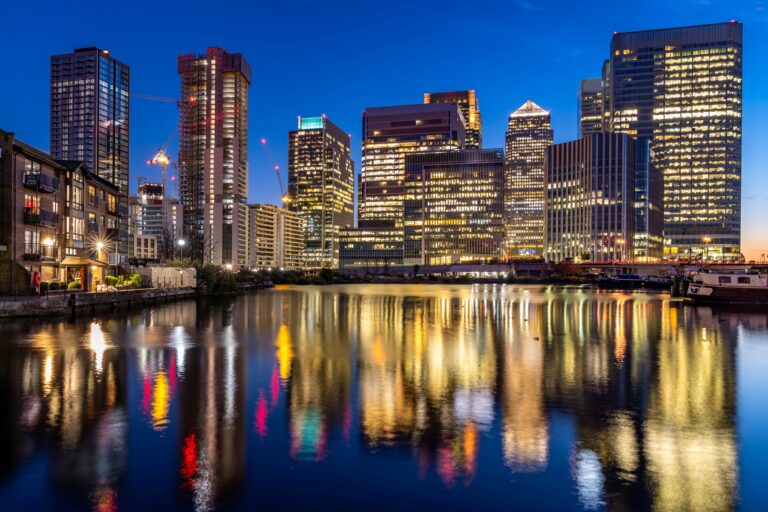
column 213, row 155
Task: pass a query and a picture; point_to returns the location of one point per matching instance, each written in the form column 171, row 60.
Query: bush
column 110, row 281
column 53, row 286
column 74, row 285
column 44, row 287
column 133, row 280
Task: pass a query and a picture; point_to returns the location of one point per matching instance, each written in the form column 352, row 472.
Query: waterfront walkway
column 65, row 302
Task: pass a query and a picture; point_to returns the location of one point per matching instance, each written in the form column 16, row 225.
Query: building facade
column 682, row 88
column 321, row 187
column 529, row 134
column 470, row 108
column 58, row 219
column 275, row 238
column 90, row 121
column 648, row 238
column 590, row 106
column 152, row 213
column 454, row 207
column 213, row 155
column 389, row 134
column 589, row 207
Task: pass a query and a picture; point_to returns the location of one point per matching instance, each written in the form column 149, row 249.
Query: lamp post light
column 181, row 243
column 707, row 240
column 228, row 266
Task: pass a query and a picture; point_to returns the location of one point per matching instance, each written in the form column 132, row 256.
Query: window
column 32, row 167
column 111, row 203
column 31, row 241
column 743, row 280
column 724, row 279
column 92, row 198
column 31, row 203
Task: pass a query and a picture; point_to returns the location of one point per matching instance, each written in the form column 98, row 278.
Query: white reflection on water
column 588, row 474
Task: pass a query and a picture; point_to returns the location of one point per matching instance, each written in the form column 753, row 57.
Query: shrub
column 44, row 287
column 110, row 281
column 53, row 286
column 133, row 280
column 74, row 285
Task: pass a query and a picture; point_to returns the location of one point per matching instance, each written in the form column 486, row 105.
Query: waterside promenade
column 60, row 303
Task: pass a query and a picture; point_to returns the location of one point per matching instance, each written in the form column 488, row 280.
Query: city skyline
column 563, row 53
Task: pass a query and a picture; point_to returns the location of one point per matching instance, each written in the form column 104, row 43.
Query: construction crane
column 284, row 196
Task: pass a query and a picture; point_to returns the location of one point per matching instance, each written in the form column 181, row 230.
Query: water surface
column 365, row 397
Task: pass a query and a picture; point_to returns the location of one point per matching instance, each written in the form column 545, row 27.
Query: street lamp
column 181, row 243
column 228, row 266
column 707, row 240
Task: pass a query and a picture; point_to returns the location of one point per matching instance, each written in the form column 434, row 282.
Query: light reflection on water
column 562, row 398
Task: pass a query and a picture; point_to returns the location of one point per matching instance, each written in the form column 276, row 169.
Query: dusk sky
column 339, row 57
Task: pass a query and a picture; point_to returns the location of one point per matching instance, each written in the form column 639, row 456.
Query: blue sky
column 338, row 57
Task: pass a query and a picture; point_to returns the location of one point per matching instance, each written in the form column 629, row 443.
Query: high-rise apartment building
column 275, row 238
column 590, row 106
column 590, row 190
column 321, row 187
column 454, row 207
column 90, row 121
column 213, row 155
column 470, row 109
column 681, row 87
column 529, row 133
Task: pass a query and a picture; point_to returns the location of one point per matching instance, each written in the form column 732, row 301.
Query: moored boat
column 736, row 288
column 621, row 281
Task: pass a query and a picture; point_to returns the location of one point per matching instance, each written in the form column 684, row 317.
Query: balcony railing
column 41, row 182
column 93, row 227
column 40, row 252
column 41, row 217
column 93, row 201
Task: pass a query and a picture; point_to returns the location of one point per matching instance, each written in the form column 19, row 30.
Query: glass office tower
column 590, row 191
column 529, row 133
column 321, row 187
column 454, row 207
column 470, row 109
column 682, row 87
column 590, row 106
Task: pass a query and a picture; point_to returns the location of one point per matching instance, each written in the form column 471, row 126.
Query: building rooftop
column 529, row 108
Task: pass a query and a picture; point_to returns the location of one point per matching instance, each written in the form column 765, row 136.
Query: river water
column 371, row 397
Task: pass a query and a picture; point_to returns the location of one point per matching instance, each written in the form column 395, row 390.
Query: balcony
column 41, row 217
column 41, row 182
column 93, row 201
column 40, row 252
column 93, row 227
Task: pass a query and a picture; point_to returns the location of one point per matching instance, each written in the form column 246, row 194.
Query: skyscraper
column 590, row 107
column 470, row 109
column 529, row 133
column 590, row 187
column 681, row 87
column 213, row 155
column 321, row 187
column 90, row 120
column 389, row 134
column 454, row 206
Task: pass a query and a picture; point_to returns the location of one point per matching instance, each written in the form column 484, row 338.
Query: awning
column 77, row 261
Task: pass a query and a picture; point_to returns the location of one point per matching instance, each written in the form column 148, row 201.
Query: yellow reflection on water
column 161, row 401
column 284, row 351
